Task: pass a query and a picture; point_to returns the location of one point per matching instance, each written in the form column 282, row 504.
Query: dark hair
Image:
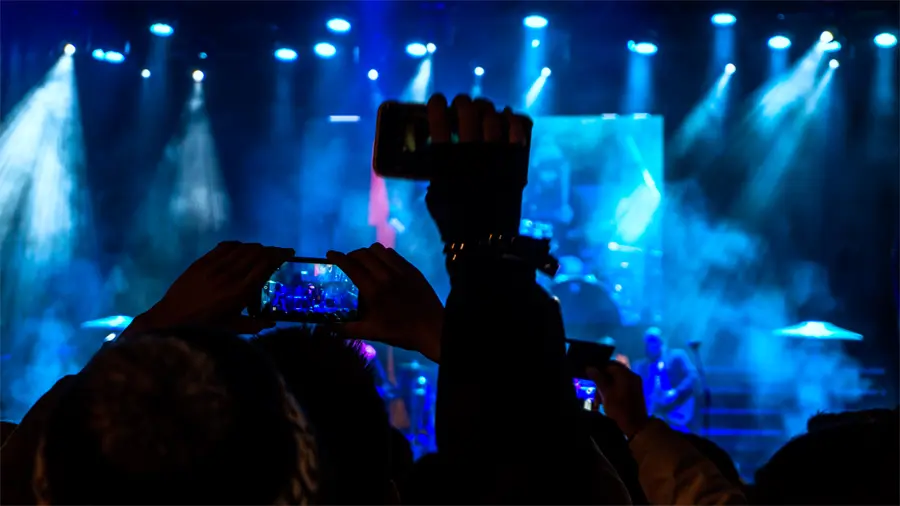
column 332, row 381
column 187, row 416
column 847, row 464
column 717, row 456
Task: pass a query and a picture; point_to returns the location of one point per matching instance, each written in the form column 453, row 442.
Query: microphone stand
column 707, row 394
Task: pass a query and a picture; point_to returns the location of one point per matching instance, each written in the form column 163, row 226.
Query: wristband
column 534, row 253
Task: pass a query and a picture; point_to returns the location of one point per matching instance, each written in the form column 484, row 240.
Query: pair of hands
column 621, row 392
column 402, row 308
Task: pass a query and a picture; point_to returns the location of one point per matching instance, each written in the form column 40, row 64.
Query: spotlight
column 826, row 37
column 834, row 64
column 723, row 19
column 114, row 57
column 285, row 54
column 145, row 73
column 779, row 42
column 198, row 76
column 161, row 30
column 831, row 47
column 338, row 25
column 535, row 22
column 479, row 71
column 416, row 49
column 881, row 40
column 324, row 50
column 431, row 48
column 646, row 48
column 69, row 50
column 373, row 75
column 535, row 43
column 545, row 72
column 730, row 69
column 98, row 54
column 202, row 56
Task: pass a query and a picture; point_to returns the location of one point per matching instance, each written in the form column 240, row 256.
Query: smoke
column 728, row 288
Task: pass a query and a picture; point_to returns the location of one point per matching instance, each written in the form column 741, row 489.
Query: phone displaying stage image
column 309, row 290
column 585, row 390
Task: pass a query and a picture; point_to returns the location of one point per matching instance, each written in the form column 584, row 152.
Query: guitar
column 678, row 413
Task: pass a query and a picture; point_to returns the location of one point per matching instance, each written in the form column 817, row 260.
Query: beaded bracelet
column 528, row 250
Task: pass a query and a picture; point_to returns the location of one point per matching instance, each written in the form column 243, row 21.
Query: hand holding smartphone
column 308, row 290
column 581, row 355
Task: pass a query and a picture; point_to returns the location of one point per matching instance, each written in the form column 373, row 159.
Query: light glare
column 779, row 42
column 416, row 49
column 198, row 76
column 338, row 25
column 545, row 72
column 114, row 57
column 285, row 54
column 535, row 43
column 826, row 37
column 479, row 71
column 325, row 50
column 161, row 30
column 885, row 40
column 145, row 73
column 730, row 69
column 69, row 50
column 834, row 64
column 431, row 48
column 373, row 75
column 723, row 19
column 535, row 22
column 645, row 48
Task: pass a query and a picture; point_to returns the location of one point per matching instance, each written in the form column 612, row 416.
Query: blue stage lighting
column 479, row 71
column 730, row 69
column 545, row 72
column 834, row 64
column 535, row 22
column 69, row 50
column 416, row 49
column 98, row 54
column 324, row 50
column 145, row 73
column 723, row 19
column 161, row 30
column 338, row 25
column 885, row 40
column 431, row 48
column 373, row 75
column 646, row 48
column 535, row 43
column 779, row 42
column 285, row 54
column 202, row 56
column 198, row 76
column 831, row 47
column 114, row 57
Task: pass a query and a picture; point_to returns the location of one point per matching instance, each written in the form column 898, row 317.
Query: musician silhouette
column 670, row 380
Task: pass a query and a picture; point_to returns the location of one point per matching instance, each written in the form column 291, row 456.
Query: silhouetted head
column 188, row 417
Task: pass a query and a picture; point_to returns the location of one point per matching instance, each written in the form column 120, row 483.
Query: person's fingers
column 389, row 261
column 492, row 127
column 438, row 125
column 357, row 272
column 243, row 260
column 517, row 129
column 469, row 120
column 377, row 270
column 403, row 265
column 214, row 256
column 267, row 261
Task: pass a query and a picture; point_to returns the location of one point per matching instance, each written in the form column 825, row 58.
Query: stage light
column 885, row 40
column 779, row 42
column 285, row 54
column 826, row 37
column 834, row 64
column 645, row 48
column 114, row 57
column 161, row 30
column 198, row 76
column 730, row 69
column 723, row 19
column 535, row 43
column 338, row 25
column 69, row 50
column 831, row 47
column 145, row 74
column 416, row 49
column 479, row 71
column 202, row 56
column 545, row 72
column 535, row 22
column 98, row 54
column 373, row 75
column 324, row 50
column 431, row 48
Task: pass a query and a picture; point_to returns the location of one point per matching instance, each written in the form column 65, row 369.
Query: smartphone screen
column 585, row 390
column 309, row 291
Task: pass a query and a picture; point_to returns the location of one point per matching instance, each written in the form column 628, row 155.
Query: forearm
column 502, row 353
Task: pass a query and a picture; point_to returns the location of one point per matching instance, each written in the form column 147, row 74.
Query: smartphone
column 308, row 290
column 401, row 142
column 585, row 390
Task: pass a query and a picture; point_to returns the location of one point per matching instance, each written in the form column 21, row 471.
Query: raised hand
column 215, row 289
column 622, row 394
column 399, row 307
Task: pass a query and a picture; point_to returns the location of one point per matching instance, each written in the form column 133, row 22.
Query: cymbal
column 117, row 322
column 818, row 330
